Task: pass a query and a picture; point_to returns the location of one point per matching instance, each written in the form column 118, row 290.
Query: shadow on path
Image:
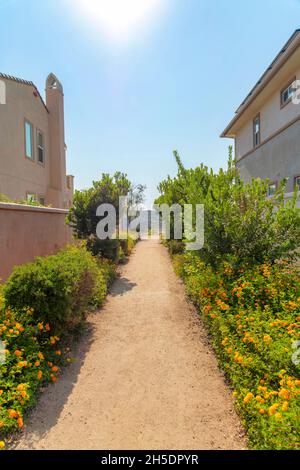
column 121, row 286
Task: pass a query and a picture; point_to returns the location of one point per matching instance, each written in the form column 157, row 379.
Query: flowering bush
column 32, row 356
column 59, row 288
column 253, row 317
column 38, row 305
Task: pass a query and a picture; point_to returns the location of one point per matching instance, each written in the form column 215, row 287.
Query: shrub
column 40, row 301
column 32, row 357
column 58, row 288
column 253, row 317
column 241, row 224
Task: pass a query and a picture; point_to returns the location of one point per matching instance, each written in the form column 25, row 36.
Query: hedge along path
column 144, row 375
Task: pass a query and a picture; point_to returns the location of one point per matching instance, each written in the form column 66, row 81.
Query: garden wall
column 29, row 231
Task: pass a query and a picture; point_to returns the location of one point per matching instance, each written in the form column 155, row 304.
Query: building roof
column 23, row 82
column 285, row 53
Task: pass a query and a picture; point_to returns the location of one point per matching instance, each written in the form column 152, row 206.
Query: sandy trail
column 144, row 376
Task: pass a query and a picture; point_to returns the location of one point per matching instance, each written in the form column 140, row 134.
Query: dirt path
column 144, row 377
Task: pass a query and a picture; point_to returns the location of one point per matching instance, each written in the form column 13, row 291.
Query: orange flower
column 262, row 411
column 273, row 408
column 284, row 393
column 248, row 397
column 55, row 369
column 37, row 364
column 13, row 414
column 21, row 387
column 53, row 378
column 285, row 406
column 20, row 422
column 58, row 353
column 41, row 356
column 18, row 353
column 48, row 327
column 40, row 375
column 267, row 339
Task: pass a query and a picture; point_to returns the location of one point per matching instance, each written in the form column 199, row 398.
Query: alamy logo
column 296, row 92
column 184, row 222
column 2, row 92
column 2, row 353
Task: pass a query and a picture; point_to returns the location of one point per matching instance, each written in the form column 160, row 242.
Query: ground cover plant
column 245, row 284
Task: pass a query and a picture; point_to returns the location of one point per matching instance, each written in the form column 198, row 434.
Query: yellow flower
column 248, row 397
column 2, row 445
column 284, row 393
column 273, row 408
column 267, row 339
column 285, row 406
column 259, row 399
column 22, row 364
column 278, row 416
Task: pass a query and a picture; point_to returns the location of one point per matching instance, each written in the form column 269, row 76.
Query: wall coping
column 25, row 208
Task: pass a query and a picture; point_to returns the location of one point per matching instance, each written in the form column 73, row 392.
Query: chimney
column 55, row 105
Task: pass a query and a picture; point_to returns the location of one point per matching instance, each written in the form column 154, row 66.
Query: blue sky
column 174, row 84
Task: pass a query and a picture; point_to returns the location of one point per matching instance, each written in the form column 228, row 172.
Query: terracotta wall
column 27, row 232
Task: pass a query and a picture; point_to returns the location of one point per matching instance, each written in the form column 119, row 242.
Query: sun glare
column 117, row 18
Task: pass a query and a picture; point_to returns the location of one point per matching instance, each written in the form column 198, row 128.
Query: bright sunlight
column 118, row 19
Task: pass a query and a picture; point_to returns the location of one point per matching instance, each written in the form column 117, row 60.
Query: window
column 42, row 200
column 28, row 140
column 272, row 189
column 287, row 93
column 256, row 131
column 30, row 197
column 297, row 182
column 40, row 147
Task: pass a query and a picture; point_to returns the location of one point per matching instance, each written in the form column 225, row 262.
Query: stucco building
column 32, row 143
column 266, row 126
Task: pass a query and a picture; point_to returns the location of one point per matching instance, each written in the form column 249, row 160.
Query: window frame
column 295, row 182
column 286, row 87
column 255, row 119
column 27, row 121
column 272, row 183
column 39, row 131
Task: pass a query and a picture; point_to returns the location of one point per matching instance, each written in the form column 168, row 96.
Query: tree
column 242, row 224
column 82, row 216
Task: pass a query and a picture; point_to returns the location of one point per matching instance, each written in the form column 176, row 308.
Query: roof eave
column 263, row 82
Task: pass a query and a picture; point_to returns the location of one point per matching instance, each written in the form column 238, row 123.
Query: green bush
column 40, row 303
column 58, row 288
column 241, row 223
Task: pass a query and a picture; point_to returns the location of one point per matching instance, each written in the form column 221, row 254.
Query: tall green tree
column 242, row 224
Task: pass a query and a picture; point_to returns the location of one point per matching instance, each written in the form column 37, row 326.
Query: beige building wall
column 272, row 116
column 19, row 175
